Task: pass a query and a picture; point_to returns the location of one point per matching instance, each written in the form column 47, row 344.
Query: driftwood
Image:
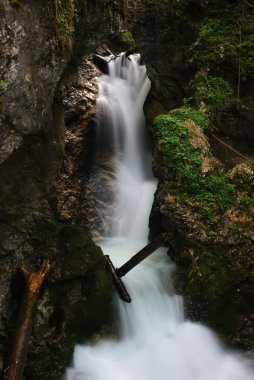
column 141, row 255
column 119, row 285
column 17, row 355
column 106, row 49
column 101, row 63
column 117, row 273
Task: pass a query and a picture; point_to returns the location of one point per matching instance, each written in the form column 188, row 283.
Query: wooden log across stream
column 117, row 273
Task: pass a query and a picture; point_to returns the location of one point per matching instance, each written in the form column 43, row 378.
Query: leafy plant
column 227, row 36
column 212, row 91
column 246, row 203
column 212, row 193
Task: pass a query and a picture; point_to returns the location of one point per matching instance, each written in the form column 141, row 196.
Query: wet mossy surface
column 186, row 158
column 76, row 299
column 210, row 212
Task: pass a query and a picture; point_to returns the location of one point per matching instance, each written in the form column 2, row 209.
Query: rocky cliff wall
column 42, row 44
column 202, row 53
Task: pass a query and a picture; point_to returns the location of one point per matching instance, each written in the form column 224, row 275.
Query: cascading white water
column 156, row 342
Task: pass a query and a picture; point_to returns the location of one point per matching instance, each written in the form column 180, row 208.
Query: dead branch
column 130, row 264
column 119, row 285
column 233, row 150
column 248, row 3
column 15, row 363
column 106, row 49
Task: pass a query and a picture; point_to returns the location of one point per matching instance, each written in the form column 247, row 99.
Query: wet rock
column 37, row 68
column 213, row 252
column 86, row 182
column 76, row 301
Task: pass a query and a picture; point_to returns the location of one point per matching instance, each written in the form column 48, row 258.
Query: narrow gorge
column 60, row 185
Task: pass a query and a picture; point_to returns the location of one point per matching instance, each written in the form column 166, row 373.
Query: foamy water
column 155, row 341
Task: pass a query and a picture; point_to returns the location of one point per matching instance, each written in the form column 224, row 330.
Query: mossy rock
column 76, row 302
column 80, row 254
column 210, row 278
column 126, row 40
column 195, row 177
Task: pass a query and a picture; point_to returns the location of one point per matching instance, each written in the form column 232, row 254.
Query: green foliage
column 2, row 85
column 184, row 113
column 212, row 193
column 126, row 39
column 64, row 11
column 246, row 203
column 213, row 91
column 14, row 2
column 178, row 155
column 226, row 36
column 161, row 11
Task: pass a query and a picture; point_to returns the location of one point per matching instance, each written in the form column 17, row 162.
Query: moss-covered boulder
column 76, row 301
column 209, row 212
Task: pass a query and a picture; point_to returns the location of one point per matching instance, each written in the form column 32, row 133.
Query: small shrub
column 227, row 36
column 213, row 91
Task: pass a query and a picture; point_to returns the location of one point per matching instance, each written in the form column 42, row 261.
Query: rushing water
column 156, row 342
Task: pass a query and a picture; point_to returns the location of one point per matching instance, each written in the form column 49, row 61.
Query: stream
column 155, row 340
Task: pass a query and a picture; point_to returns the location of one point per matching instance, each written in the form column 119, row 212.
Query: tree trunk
column 17, row 355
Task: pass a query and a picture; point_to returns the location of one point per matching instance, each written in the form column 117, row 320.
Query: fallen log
column 102, row 63
column 15, row 363
column 117, row 273
column 119, row 285
column 141, row 255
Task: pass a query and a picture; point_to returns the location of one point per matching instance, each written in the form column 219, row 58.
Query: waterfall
column 155, row 341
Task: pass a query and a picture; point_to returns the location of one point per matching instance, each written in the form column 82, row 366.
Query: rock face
column 32, row 140
column 86, row 182
column 212, row 233
column 210, row 214
column 39, row 59
column 43, row 44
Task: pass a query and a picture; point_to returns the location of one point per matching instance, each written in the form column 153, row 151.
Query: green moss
column 2, row 85
column 126, row 39
column 246, row 203
column 210, row 284
column 210, row 275
column 212, row 193
column 226, row 36
column 161, row 11
column 212, row 91
column 80, row 252
column 14, row 2
column 64, row 14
